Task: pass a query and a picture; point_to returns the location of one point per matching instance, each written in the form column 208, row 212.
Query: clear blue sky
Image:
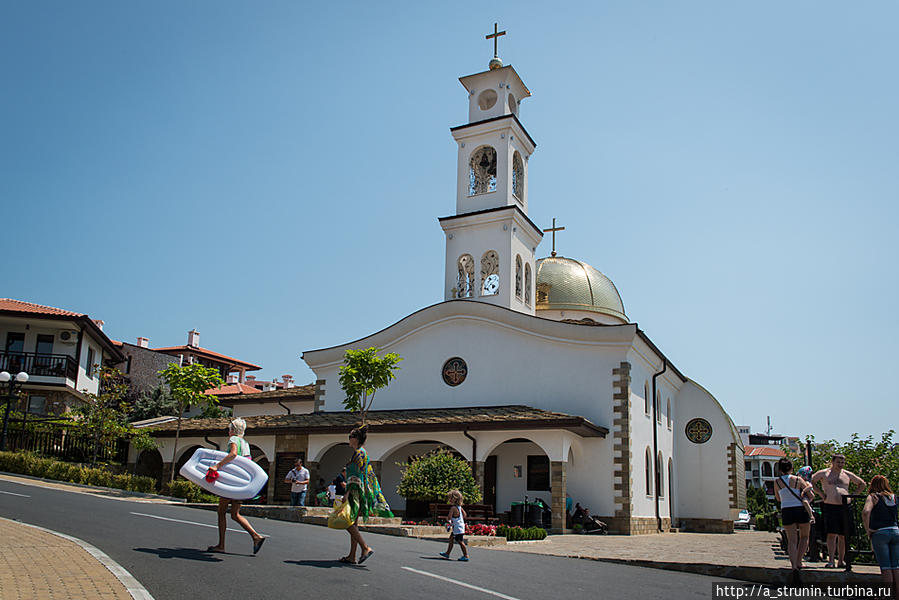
column 271, row 174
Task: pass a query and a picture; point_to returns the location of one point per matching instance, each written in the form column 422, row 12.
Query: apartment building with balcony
column 59, row 349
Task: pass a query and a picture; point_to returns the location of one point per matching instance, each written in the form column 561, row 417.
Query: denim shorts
column 885, row 543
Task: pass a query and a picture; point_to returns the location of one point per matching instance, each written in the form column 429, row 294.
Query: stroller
column 591, row 524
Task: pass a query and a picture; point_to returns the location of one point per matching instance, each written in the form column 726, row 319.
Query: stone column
column 558, row 471
column 478, row 472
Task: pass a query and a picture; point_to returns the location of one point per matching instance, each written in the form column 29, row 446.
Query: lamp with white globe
column 5, row 377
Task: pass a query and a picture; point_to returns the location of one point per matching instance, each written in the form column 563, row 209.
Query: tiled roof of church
column 389, row 421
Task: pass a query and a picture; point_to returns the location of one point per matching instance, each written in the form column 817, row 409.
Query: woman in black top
column 879, row 517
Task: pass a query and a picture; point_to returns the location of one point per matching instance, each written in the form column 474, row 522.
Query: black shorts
column 793, row 515
column 459, row 537
column 836, row 518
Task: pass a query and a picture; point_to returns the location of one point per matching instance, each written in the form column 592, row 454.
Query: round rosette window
column 698, row 431
column 454, row 371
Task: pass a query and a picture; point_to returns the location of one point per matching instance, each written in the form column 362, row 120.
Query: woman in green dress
column 363, row 494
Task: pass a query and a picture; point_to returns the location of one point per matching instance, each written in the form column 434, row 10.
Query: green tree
column 363, row 373
column 141, row 440
column 866, row 457
column 187, row 384
column 150, row 404
column 430, row 478
column 105, row 413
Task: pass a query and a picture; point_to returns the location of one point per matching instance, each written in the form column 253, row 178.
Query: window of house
column 89, row 368
column 538, row 473
column 658, row 407
column 44, row 344
column 668, row 412
column 646, row 398
column 766, row 470
column 37, row 404
column 647, row 465
column 15, row 342
column 660, row 474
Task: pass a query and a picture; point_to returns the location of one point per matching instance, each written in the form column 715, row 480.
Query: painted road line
column 186, row 522
column 134, row 587
column 14, row 494
column 461, row 583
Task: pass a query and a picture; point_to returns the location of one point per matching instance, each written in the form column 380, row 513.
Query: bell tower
column 490, row 241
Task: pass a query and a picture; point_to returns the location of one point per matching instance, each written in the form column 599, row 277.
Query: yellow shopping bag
column 341, row 516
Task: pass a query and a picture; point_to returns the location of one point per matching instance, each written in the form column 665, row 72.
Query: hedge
column 516, row 534
column 190, row 491
column 29, row 463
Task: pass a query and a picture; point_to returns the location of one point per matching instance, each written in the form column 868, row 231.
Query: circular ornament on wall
column 698, row 431
column 454, row 371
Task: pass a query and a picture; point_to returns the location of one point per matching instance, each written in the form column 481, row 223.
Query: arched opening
column 766, row 470
column 658, row 407
column 518, row 276
column 392, row 473
column 647, row 465
column 257, row 455
column 518, row 177
column 465, row 279
column 521, row 469
column 482, row 171
column 668, row 412
column 185, row 456
column 149, row 464
column 660, row 475
column 646, row 397
column 490, row 273
column 671, row 491
column 527, row 284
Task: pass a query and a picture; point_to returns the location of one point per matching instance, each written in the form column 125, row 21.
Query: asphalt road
column 163, row 546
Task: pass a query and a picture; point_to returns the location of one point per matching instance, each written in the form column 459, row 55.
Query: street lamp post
column 5, row 377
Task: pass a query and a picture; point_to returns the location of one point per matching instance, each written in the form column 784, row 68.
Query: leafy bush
column 430, row 478
column 190, row 491
column 517, row 534
column 28, row 463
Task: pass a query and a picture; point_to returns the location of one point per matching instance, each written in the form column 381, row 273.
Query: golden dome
column 568, row 284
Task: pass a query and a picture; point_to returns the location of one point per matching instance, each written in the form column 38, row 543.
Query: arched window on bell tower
column 518, row 177
column 490, row 273
column 527, row 284
column 482, row 171
column 465, row 282
column 518, row 276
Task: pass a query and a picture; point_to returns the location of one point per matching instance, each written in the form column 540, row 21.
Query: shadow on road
column 324, row 564
column 186, row 553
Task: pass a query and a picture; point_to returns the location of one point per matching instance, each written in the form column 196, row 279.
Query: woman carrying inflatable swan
column 236, row 446
column 363, row 498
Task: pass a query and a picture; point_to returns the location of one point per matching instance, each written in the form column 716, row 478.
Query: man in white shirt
column 298, row 478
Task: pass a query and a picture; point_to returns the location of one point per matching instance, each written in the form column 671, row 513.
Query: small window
column 646, row 398
column 766, row 470
column 517, row 177
column 518, row 276
column 668, row 412
column 490, row 273
column 658, row 407
column 465, row 281
column 89, row 368
column 660, row 476
column 647, row 464
column 527, row 284
column 538, row 473
column 15, row 342
column 37, row 404
column 482, row 171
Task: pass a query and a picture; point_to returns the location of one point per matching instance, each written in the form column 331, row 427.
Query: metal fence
column 65, row 443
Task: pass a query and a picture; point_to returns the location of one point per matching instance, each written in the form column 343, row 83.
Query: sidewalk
column 35, row 564
column 746, row 555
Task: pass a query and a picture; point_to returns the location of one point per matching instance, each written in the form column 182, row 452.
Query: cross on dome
column 495, row 63
column 554, row 229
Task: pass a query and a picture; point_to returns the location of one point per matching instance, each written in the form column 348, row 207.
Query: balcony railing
column 41, row 365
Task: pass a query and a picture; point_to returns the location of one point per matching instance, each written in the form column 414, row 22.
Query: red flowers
column 480, row 529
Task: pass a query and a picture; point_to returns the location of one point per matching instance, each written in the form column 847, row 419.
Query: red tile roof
column 208, row 354
column 763, row 451
column 38, row 309
column 232, row 388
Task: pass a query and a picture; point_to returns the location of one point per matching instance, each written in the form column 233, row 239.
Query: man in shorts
column 833, row 484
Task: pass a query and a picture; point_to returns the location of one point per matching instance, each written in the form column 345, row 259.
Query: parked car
column 742, row 520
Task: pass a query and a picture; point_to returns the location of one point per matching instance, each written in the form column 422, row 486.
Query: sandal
column 346, row 560
column 258, row 544
column 214, row 550
column 365, row 556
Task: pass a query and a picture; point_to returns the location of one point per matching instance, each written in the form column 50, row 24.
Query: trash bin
column 517, row 515
column 534, row 515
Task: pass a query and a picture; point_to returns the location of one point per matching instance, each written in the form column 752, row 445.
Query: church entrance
column 490, row 481
column 521, row 473
column 392, row 473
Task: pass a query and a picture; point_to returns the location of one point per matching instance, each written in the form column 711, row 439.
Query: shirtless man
column 835, row 483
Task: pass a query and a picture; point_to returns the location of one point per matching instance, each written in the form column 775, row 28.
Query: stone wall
column 141, row 368
column 707, row 525
column 621, row 425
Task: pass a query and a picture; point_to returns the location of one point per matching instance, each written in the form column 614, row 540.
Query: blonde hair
column 455, row 497
column 238, row 426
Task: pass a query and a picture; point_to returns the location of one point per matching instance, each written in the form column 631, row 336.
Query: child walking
column 457, row 522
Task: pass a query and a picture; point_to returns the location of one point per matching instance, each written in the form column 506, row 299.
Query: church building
column 529, row 368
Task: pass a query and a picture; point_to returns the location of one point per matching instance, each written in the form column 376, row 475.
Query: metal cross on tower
column 554, row 229
column 495, row 37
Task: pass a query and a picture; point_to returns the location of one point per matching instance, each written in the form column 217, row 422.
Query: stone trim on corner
column 736, row 477
column 621, row 453
column 318, row 403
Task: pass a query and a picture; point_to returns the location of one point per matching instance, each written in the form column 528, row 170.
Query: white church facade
column 529, row 369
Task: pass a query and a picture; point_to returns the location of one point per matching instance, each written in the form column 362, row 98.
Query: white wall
column 255, row 409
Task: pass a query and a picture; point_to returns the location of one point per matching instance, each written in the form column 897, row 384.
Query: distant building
column 192, row 352
column 58, row 349
column 761, row 466
column 286, row 382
